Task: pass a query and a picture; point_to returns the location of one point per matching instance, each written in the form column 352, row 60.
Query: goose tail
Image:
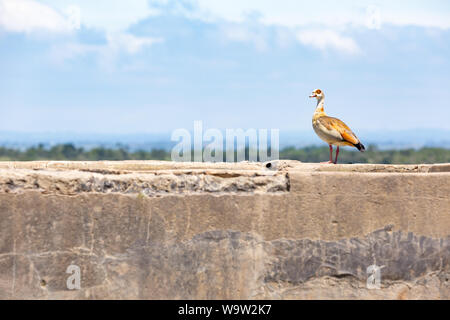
column 360, row 147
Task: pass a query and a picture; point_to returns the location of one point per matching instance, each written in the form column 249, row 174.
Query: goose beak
column 313, row 96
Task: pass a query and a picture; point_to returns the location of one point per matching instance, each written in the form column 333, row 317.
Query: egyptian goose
column 331, row 130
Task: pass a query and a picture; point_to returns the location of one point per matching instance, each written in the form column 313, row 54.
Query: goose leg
column 331, row 155
column 337, row 153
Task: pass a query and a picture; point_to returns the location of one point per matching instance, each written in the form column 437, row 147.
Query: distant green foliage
column 70, row 152
column 372, row 155
column 308, row 154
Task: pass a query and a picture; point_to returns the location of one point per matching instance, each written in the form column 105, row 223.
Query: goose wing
column 339, row 128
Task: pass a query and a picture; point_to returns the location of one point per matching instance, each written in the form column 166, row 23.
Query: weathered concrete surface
column 283, row 230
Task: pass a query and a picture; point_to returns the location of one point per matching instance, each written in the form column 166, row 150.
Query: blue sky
column 110, row 66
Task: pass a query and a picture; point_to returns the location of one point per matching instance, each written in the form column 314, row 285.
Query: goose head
column 318, row 94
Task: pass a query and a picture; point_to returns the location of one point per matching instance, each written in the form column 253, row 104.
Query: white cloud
column 107, row 54
column 111, row 16
column 328, row 39
column 331, row 13
column 130, row 43
column 242, row 33
column 55, row 15
column 321, row 24
column 28, row 16
column 118, row 15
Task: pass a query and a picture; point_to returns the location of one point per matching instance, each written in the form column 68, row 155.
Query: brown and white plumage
column 332, row 130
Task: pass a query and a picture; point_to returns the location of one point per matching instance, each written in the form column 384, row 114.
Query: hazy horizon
column 400, row 139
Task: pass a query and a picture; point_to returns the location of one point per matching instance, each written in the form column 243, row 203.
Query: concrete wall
column 283, row 230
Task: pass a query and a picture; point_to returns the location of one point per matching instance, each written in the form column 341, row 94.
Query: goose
column 332, row 130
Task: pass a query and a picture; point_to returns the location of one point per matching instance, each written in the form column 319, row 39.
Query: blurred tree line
column 307, row 154
column 70, row 152
column 371, row 155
